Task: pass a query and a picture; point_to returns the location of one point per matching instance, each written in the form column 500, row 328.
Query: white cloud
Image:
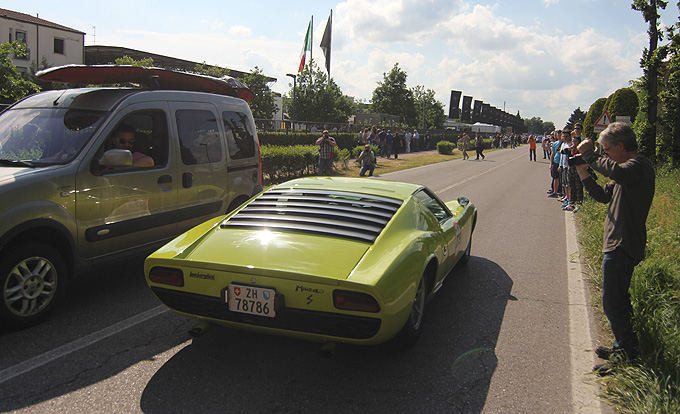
column 549, row 3
column 239, row 31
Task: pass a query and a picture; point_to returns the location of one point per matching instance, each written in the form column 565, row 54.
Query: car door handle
column 187, row 180
column 164, row 179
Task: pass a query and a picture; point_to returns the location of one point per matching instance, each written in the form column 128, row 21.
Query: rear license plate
column 252, row 300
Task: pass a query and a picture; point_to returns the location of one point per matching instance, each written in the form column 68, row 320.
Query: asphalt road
column 496, row 336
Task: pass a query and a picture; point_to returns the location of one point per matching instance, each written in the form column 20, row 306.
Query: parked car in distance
column 324, row 259
column 96, row 175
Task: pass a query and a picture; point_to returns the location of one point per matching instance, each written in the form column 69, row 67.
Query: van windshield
column 41, row 136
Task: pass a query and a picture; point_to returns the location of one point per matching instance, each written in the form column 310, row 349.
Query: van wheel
column 33, row 279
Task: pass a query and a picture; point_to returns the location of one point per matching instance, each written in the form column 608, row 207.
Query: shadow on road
column 449, row 370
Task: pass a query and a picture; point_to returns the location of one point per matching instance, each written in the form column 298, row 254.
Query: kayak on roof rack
column 152, row 78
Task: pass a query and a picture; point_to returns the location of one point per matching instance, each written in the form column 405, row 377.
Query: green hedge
column 343, row 139
column 280, row 162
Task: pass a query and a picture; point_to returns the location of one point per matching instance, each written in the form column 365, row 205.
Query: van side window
column 199, row 137
column 145, row 134
column 240, row 138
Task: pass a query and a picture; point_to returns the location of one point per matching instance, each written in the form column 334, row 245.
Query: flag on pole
column 306, row 46
column 326, row 44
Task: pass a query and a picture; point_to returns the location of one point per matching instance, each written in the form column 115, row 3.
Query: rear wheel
column 466, row 254
column 414, row 324
column 33, row 279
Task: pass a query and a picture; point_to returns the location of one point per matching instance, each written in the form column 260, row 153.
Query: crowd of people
column 564, row 182
column 389, row 143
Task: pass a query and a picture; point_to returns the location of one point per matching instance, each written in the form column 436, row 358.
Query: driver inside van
column 124, row 138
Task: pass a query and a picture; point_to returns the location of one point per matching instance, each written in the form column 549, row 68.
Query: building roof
column 107, row 55
column 27, row 18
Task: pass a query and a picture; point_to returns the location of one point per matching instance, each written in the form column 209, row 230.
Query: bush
column 623, row 102
column 445, row 147
column 593, row 113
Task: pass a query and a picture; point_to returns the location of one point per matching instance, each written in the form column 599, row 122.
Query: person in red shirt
column 532, row 147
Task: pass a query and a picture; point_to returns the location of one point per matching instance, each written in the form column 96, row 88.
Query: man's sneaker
column 576, row 208
column 550, row 191
column 552, row 195
column 566, row 203
column 569, row 207
column 563, row 198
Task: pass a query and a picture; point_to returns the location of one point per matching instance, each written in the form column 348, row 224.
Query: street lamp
column 292, row 103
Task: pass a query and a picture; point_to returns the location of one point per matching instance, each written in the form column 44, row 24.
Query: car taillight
column 167, row 276
column 355, row 301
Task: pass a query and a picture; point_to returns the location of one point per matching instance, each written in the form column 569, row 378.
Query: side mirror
column 116, row 158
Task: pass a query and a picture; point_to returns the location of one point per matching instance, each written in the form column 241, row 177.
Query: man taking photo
column 629, row 194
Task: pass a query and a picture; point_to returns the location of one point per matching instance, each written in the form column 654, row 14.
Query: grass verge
column 652, row 383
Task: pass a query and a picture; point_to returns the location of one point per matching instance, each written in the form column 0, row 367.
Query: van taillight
column 167, row 276
column 355, row 301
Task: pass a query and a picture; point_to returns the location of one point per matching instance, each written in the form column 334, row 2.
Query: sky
column 543, row 58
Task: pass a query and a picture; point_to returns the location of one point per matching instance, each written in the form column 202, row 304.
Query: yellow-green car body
column 338, row 259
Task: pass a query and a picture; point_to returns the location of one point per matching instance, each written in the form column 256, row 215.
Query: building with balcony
column 46, row 42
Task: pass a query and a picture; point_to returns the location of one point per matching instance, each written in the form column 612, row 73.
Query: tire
column 466, row 255
column 32, row 281
column 409, row 334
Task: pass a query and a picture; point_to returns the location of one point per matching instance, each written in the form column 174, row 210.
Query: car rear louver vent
column 334, row 213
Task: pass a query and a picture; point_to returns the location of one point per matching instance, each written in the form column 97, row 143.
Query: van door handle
column 164, row 179
column 187, row 180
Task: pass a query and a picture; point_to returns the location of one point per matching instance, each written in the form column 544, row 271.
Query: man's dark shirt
column 629, row 194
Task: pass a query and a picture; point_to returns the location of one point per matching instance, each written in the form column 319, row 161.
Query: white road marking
column 49, row 356
column 584, row 391
column 479, row 175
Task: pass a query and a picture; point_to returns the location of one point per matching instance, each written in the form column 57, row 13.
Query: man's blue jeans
column 617, row 270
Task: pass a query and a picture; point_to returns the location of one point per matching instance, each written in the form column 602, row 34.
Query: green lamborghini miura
column 326, row 259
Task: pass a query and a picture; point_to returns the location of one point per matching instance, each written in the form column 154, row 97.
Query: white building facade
column 46, row 42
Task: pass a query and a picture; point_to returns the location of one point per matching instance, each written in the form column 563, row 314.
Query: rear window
column 240, row 137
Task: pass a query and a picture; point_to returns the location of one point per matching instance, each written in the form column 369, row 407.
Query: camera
column 566, row 151
column 573, row 161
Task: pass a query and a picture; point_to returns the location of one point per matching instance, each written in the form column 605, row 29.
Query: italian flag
column 306, row 46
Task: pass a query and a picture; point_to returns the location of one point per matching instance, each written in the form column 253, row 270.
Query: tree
column 127, row 60
column 391, row 96
column 430, row 111
column 548, row 127
column 263, row 105
column 650, row 64
column 593, row 114
column 670, row 98
column 317, row 99
column 577, row 116
column 534, row 125
column 623, row 102
column 13, row 86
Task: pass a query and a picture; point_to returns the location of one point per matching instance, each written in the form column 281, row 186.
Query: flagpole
column 311, row 34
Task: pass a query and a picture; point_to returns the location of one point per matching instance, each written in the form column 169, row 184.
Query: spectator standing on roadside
column 407, row 142
column 564, row 181
column 465, row 143
column 545, row 144
column 479, row 146
column 388, row 143
column 397, row 143
column 575, row 185
column 381, row 142
column 326, row 145
column 532, row 147
column 629, row 194
column 367, row 159
column 415, row 141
